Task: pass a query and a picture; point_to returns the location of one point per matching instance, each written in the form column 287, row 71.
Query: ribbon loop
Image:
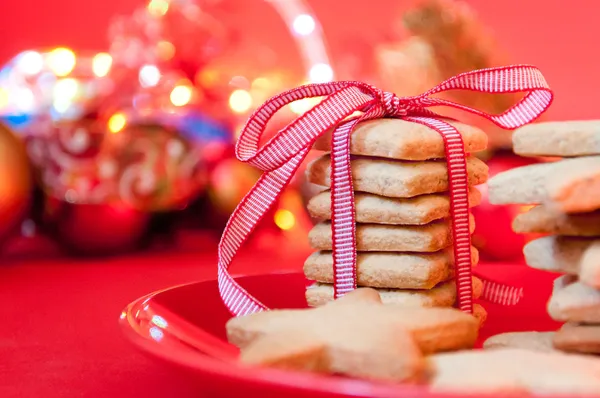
column 281, row 157
column 343, row 99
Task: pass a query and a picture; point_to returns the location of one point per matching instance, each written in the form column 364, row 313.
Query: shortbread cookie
column 443, row 295
column 569, row 255
column 400, row 139
column 535, row 341
column 574, row 302
column 569, row 186
column 370, row 208
column 396, row 238
column 578, row 338
column 355, row 336
column 563, row 139
column 504, row 371
column 394, row 178
column 543, row 220
column 390, row 269
column 433, row 329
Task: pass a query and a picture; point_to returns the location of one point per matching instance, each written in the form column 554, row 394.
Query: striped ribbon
column 283, row 154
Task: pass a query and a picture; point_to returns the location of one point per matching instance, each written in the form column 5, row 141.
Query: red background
column 59, row 335
column 558, row 36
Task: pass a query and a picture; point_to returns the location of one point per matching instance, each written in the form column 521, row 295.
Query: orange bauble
column 16, row 182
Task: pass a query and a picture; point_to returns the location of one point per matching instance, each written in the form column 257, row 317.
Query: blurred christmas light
column 304, row 24
column 24, row 100
column 61, row 61
column 321, row 73
column 3, row 98
column 66, row 88
column 165, row 50
column 30, row 62
column 101, row 64
column 158, row 7
column 181, row 95
column 284, row 219
column 240, row 101
column 303, row 105
column 117, row 122
column 65, row 91
column 149, row 76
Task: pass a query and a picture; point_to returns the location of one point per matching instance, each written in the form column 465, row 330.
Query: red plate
column 185, row 326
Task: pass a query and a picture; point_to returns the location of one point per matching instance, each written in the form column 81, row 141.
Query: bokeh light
column 181, row 95
column 101, row 64
column 321, row 73
column 149, row 76
column 61, row 61
column 158, row 7
column 304, row 24
column 30, row 63
column 117, row 122
column 285, row 219
column 240, row 101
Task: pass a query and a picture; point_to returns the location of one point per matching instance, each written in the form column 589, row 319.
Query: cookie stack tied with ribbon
column 402, row 213
column 566, row 198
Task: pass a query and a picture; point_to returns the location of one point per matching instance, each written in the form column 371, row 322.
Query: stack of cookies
column 566, row 195
column 403, row 231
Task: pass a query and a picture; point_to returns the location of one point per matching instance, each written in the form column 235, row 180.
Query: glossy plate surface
column 185, row 326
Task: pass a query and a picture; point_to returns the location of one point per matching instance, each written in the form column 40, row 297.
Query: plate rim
column 274, row 378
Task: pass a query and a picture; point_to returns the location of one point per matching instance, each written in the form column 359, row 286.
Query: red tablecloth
column 59, row 333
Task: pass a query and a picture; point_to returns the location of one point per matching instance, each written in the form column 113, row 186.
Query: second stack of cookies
column 566, row 195
column 402, row 213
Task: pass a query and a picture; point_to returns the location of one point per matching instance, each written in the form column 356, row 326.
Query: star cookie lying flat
column 354, row 336
column 504, row 371
column 580, row 338
column 533, row 341
column 562, row 139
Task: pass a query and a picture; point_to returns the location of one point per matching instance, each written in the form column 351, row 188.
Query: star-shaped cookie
column 356, row 336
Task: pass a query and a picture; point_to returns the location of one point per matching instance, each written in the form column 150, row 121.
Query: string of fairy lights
column 60, row 80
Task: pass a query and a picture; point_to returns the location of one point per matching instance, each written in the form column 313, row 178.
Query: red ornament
column 97, row 229
column 494, row 237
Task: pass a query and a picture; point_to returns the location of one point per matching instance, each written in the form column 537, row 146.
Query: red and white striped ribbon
column 283, row 154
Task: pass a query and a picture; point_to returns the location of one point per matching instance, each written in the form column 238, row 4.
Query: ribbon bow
column 283, row 154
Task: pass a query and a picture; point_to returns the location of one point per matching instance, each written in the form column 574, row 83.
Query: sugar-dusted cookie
column 443, row 295
column 506, row 371
column 569, row 255
column 370, row 208
column 400, row 139
column 390, row 269
column 572, row 301
column 355, row 336
column 396, row 238
column 541, row 219
column 580, row 338
column 563, row 139
column 395, row 178
column 569, row 186
column 535, row 341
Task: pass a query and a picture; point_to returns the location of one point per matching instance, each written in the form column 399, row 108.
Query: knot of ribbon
column 344, row 105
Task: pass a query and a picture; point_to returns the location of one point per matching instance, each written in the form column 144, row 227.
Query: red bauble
column 97, row 229
column 16, row 183
column 494, row 237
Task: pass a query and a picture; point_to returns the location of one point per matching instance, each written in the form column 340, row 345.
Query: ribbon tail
column 500, row 293
column 241, row 224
